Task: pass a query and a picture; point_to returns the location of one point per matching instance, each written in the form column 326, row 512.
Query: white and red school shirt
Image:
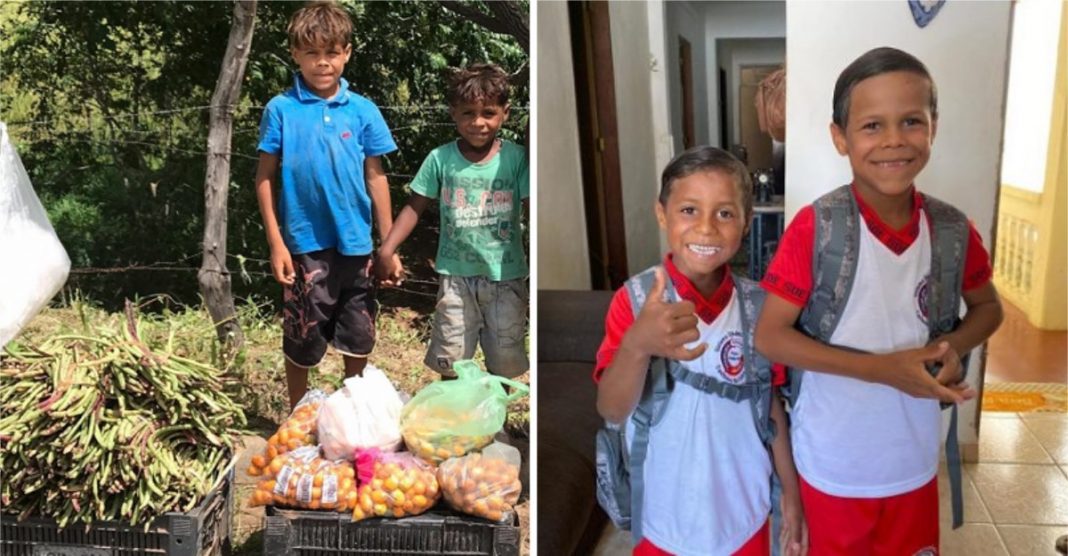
column 706, row 473
column 853, row 438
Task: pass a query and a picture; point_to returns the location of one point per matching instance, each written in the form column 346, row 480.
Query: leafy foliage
column 107, row 105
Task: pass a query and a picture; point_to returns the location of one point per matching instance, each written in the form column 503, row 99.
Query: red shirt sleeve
column 789, row 274
column 778, row 374
column 977, row 270
column 620, row 317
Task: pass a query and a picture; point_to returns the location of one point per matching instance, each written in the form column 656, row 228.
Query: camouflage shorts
column 474, row 310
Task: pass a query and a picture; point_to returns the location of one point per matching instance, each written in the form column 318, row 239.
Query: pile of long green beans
column 101, row 426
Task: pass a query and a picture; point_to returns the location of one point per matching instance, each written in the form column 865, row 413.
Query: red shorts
column 757, row 545
column 905, row 524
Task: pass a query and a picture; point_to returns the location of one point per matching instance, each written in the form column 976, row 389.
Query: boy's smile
column 705, row 221
column 321, row 66
column 888, row 133
column 478, row 123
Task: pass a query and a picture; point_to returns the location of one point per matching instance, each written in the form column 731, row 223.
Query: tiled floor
column 1015, row 498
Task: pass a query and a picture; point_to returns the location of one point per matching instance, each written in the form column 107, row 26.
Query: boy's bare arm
column 378, row 186
column 905, row 370
column 662, row 329
column 407, row 218
column 281, row 260
column 794, row 534
column 980, row 322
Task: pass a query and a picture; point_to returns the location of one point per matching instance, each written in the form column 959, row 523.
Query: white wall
column 1035, row 28
column 965, row 48
column 687, row 20
column 562, row 250
column 734, row 20
column 632, row 66
column 660, row 89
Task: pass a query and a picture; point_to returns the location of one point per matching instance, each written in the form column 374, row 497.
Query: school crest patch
column 731, row 363
column 920, row 297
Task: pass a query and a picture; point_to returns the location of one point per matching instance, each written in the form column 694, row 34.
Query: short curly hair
column 486, row 83
column 319, row 24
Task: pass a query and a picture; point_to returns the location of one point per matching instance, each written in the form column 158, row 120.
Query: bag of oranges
column 450, row 418
column 486, row 485
column 297, row 431
column 306, row 480
column 393, row 484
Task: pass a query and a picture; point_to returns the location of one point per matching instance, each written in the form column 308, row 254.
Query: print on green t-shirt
column 481, row 205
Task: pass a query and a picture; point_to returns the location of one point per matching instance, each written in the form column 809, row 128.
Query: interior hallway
column 1019, row 352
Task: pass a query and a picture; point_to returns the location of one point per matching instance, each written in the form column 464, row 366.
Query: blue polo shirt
column 322, row 144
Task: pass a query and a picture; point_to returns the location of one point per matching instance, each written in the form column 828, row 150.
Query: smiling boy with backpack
column 691, row 407
column 873, row 274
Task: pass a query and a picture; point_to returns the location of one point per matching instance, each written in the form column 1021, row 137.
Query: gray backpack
column 619, row 466
column 834, row 266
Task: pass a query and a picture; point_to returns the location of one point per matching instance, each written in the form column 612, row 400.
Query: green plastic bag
column 449, row 418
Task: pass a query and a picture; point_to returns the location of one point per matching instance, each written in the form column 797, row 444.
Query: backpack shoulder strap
column 834, row 261
column 757, row 367
column 835, row 250
column 658, row 386
column 949, row 245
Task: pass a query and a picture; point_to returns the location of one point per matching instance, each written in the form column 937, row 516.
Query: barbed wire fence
column 159, row 131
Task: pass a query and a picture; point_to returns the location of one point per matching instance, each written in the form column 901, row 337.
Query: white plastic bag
column 36, row 265
column 364, row 414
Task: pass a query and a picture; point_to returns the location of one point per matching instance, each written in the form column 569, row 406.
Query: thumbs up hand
column 663, row 328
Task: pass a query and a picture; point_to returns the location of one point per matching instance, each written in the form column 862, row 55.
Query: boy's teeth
column 704, row 250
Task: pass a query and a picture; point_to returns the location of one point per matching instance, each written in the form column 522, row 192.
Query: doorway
column 686, row 74
column 591, row 47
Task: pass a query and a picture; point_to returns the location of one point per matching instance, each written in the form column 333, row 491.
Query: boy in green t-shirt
column 479, row 180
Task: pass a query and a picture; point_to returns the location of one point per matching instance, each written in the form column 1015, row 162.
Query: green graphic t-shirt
column 480, row 210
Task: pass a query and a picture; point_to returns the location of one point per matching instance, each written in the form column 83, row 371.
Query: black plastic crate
column 204, row 531
column 439, row 531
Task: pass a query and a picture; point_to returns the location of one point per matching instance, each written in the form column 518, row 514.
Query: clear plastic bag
column 296, row 432
column 486, row 485
column 363, row 414
column 394, row 484
column 36, row 261
column 450, row 418
column 306, row 480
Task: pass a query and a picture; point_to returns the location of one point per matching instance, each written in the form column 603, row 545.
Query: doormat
column 1024, row 397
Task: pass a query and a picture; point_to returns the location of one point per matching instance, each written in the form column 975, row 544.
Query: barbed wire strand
column 412, row 107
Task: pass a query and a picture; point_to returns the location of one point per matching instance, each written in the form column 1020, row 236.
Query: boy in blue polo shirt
column 327, row 141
